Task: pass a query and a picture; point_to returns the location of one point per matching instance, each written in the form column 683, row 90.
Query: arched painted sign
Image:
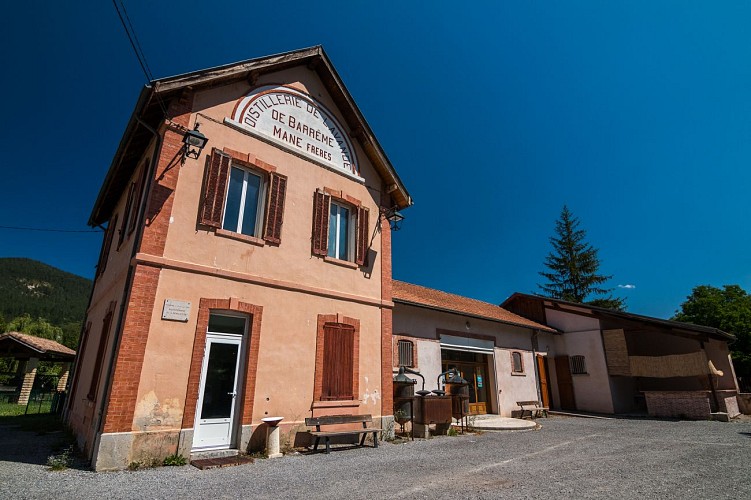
column 296, row 121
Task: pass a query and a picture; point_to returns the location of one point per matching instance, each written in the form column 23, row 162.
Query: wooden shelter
column 29, row 351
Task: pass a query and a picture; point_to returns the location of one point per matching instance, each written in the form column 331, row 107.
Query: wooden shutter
column 140, row 186
column 106, row 244
column 362, row 237
column 272, row 230
column 126, row 216
column 96, row 375
column 338, row 361
column 80, row 356
column 215, row 185
column 320, row 240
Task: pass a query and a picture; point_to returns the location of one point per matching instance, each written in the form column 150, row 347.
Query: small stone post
column 63, row 377
column 272, row 436
column 30, row 373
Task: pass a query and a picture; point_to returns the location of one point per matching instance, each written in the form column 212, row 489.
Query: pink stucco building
column 251, row 279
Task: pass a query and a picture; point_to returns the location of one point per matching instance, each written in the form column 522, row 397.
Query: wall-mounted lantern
column 194, row 142
column 394, row 217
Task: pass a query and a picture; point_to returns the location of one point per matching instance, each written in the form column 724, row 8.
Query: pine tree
column 573, row 266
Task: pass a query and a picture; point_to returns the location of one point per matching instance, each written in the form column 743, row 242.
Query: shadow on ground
column 33, row 439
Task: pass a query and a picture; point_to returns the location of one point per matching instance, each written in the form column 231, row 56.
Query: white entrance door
column 215, row 411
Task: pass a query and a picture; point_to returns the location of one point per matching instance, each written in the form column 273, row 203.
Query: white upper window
column 243, row 210
column 341, row 232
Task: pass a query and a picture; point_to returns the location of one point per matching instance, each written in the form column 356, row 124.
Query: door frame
column 461, row 366
column 236, row 413
column 565, row 382
column 543, row 376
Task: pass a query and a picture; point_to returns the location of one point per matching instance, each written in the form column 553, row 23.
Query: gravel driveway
column 567, row 458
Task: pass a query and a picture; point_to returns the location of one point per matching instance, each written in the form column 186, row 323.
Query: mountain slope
column 29, row 286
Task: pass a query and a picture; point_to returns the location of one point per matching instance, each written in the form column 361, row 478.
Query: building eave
column 546, row 329
column 621, row 315
column 165, row 89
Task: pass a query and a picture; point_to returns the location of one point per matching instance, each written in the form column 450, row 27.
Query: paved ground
column 567, row 458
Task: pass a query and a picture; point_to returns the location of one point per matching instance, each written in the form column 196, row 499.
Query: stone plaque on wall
column 176, row 310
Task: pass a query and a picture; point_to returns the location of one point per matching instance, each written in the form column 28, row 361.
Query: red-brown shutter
column 363, row 237
column 106, row 244
column 215, row 185
column 126, row 216
column 338, row 361
column 96, row 375
column 80, row 356
column 272, row 230
column 321, row 202
column 140, row 194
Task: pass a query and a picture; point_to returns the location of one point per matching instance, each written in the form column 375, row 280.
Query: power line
column 50, row 230
column 136, row 45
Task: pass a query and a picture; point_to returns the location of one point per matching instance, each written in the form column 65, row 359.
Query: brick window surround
column 322, row 200
column 395, row 351
column 248, row 374
column 214, row 193
column 517, row 363
column 323, row 319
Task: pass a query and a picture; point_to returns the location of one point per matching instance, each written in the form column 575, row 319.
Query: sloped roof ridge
column 306, row 51
column 491, row 311
column 627, row 315
column 38, row 343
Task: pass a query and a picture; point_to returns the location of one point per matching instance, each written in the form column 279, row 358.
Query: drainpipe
column 129, row 279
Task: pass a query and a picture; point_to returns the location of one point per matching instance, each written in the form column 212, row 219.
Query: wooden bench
column 533, row 408
column 318, row 422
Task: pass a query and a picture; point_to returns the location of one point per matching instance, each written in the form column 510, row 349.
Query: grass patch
column 174, row 460
column 14, row 410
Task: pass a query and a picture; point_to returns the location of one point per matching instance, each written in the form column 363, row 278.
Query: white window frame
column 350, row 230
column 261, row 201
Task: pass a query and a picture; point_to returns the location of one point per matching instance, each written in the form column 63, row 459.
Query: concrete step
column 202, row 455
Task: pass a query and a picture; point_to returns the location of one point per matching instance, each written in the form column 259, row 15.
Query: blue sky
column 635, row 114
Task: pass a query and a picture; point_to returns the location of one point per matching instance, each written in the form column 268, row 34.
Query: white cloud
column 629, row 286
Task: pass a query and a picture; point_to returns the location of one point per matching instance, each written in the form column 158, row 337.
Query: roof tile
column 40, row 344
column 409, row 293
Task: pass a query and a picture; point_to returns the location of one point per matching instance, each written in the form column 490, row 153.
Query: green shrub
column 174, row 460
column 61, row 461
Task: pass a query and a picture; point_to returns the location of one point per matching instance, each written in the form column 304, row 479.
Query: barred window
column 517, row 365
column 406, row 353
column 578, row 366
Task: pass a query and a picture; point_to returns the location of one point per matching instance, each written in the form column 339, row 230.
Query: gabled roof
column 420, row 296
column 603, row 313
column 15, row 343
column 136, row 137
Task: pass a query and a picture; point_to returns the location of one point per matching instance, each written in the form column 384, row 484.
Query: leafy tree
column 38, row 327
column 727, row 308
column 573, row 265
